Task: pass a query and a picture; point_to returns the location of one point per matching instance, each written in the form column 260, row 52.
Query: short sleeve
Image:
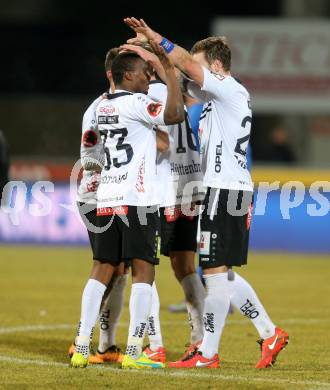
column 91, row 142
column 216, row 85
column 163, row 128
column 148, row 110
column 194, row 90
column 89, row 118
column 158, row 92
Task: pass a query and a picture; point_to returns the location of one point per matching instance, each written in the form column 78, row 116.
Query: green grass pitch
column 40, row 303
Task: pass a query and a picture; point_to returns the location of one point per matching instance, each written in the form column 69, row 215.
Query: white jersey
column 91, row 147
column 126, row 122
column 179, row 166
column 225, row 127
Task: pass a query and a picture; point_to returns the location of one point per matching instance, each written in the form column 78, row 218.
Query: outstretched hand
column 143, row 32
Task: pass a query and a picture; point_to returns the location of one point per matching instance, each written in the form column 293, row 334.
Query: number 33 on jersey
column 126, row 121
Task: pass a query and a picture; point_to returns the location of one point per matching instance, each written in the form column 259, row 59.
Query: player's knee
column 182, row 267
column 102, row 272
column 120, row 269
column 142, row 272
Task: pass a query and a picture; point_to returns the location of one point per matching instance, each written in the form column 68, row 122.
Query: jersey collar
column 118, row 93
column 156, row 82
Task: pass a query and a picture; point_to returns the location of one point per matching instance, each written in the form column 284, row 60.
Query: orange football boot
column 71, row 350
column 112, row 355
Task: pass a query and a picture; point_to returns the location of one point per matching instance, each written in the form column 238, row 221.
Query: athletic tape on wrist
column 167, row 45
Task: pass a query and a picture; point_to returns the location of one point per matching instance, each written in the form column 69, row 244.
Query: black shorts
column 88, row 211
column 224, row 236
column 178, row 233
column 127, row 236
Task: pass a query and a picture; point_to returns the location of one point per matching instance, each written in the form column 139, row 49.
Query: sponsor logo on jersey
column 107, row 110
column 116, row 198
column 140, row 179
column 114, row 179
column 218, row 155
column 249, row 310
column 107, row 120
column 102, row 120
column 204, row 244
column 181, row 169
column 249, row 216
column 119, row 210
column 154, row 109
column 89, row 138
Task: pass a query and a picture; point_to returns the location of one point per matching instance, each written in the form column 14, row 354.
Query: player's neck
column 219, row 70
column 124, row 87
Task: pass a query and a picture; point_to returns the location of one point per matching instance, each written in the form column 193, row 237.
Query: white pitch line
column 175, row 374
column 35, row 328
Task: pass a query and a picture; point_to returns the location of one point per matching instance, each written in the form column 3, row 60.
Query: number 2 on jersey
column 239, row 149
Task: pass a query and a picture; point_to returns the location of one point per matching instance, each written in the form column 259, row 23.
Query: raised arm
column 174, row 108
column 180, row 57
column 149, row 57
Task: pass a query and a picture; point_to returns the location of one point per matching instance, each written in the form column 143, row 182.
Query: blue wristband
column 167, row 45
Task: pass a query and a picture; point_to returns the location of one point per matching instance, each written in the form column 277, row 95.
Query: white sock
column 216, row 307
column 139, row 308
column 154, row 331
column 110, row 313
column 195, row 295
column 90, row 307
column 82, row 345
column 245, row 299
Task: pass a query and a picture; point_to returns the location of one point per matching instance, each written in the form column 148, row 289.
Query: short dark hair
column 124, row 62
column 109, row 57
column 214, row 48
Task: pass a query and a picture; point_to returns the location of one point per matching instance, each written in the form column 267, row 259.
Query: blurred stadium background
column 52, row 54
column 52, row 68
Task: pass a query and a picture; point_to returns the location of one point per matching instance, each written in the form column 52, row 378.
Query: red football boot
column 159, row 355
column 271, row 347
column 196, row 360
column 190, row 349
